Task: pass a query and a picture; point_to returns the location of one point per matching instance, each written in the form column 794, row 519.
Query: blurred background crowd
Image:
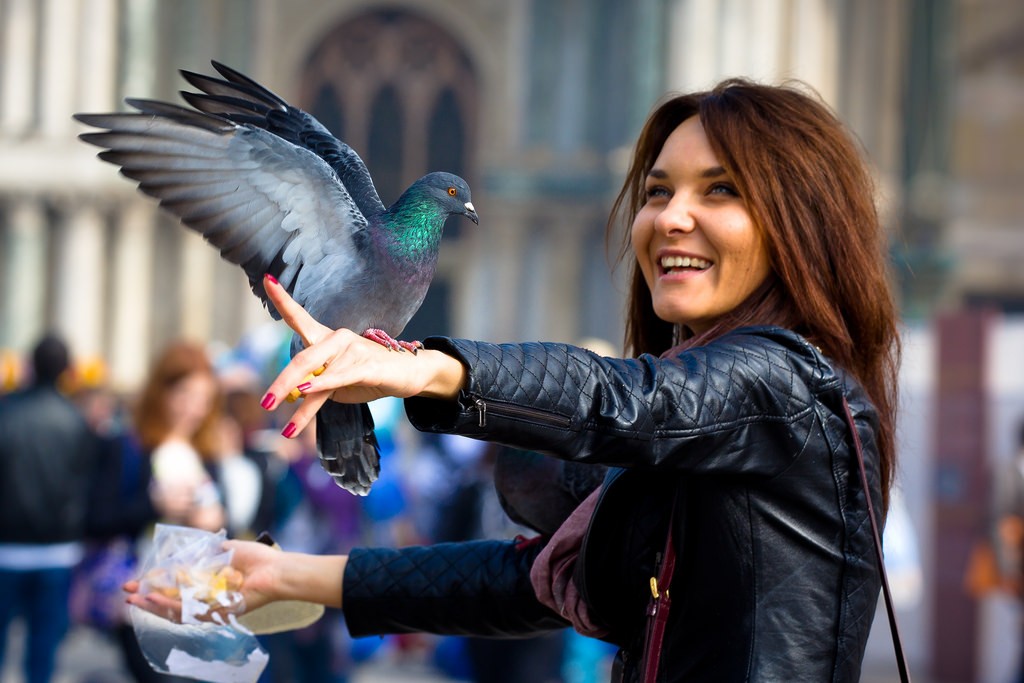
column 536, row 104
column 193, row 447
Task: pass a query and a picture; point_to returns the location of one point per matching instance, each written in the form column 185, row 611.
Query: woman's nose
column 677, row 216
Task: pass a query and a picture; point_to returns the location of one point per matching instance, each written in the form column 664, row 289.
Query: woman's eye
column 656, row 191
column 723, row 189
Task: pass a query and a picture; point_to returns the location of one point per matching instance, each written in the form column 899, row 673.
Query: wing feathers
column 263, row 201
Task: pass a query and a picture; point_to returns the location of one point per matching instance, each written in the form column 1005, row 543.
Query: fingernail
column 288, row 431
column 304, row 387
column 271, row 278
column 268, row 402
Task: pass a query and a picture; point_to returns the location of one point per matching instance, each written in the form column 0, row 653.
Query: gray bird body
column 276, row 193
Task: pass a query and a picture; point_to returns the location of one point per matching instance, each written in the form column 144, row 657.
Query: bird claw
column 390, row 343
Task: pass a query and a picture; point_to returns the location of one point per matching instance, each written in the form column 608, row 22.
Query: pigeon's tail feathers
column 348, row 448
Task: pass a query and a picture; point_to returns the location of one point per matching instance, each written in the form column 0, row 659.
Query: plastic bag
column 210, row 644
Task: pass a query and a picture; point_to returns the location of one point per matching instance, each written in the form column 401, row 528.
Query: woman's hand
column 346, row 367
column 268, row 575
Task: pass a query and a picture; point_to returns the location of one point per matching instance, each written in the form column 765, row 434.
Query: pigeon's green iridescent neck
column 414, row 229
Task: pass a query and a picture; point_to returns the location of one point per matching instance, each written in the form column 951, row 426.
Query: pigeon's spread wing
column 267, row 204
column 241, row 99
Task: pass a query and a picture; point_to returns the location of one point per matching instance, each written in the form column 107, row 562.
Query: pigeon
column 272, row 189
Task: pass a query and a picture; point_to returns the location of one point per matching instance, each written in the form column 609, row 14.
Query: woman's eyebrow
column 710, row 172
column 713, row 172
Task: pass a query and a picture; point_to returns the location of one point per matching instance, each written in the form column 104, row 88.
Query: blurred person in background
column 47, row 455
column 246, row 468
column 178, row 422
column 156, row 471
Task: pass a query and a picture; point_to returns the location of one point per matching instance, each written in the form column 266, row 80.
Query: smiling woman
column 762, row 352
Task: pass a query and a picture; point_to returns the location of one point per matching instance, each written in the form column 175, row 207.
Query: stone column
column 97, row 68
column 692, row 46
column 19, row 79
column 961, row 488
column 814, row 45
column 61, row 31
column 196, row 286
column 492, row 271
column 130, row 296
column 562, row 302
column 79, row 280
column 24, row 286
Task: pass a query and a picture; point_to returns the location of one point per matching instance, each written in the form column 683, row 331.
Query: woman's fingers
column 305, row 413
column 308, row 328
column 155, row 603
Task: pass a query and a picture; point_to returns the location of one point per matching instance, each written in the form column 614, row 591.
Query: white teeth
column 668, row 262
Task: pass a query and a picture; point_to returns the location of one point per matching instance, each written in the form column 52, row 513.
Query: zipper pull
column 481, row 408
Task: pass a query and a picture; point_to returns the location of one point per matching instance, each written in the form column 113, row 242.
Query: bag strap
column 901, row 660
column 661, row 601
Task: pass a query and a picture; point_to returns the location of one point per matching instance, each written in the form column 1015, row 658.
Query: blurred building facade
column 535, row 102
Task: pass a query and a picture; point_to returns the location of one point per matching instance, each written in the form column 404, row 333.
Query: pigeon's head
column 451, row 192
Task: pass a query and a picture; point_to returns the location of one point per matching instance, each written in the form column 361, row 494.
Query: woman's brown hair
column 808, row 190
column 178, row 361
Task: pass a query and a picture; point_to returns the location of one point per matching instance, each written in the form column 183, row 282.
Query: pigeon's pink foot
column 389, row 342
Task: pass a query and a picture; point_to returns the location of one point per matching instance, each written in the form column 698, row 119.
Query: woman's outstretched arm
column 268, row 575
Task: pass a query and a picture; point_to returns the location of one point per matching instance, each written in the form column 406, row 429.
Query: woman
column 759, row 302
column 178, row 422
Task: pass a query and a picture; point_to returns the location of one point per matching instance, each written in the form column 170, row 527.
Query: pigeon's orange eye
column 452, row 191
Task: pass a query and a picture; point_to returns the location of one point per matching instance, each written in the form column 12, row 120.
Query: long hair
column 178, row 361
column 809, row 192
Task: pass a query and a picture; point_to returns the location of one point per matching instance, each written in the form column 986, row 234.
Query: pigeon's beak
column 470, row 213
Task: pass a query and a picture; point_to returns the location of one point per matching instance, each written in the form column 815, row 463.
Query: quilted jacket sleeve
column 745, row 403
column 479, row 588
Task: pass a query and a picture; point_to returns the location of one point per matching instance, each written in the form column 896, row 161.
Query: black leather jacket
column 775, row 577
column 47, row 457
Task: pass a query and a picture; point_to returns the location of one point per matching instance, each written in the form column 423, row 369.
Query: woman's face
column 695, row 242
column 188, row 401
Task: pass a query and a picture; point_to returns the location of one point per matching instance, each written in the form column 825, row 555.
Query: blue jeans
column 41, row 597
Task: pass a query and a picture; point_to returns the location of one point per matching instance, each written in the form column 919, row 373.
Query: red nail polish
column 288, row 431
column 271, row 278
column 304, row 387
column 268, row 402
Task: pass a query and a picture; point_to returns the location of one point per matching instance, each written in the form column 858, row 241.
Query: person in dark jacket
column 762, row 347
column 47, row 456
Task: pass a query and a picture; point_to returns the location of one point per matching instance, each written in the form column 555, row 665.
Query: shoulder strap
column 660, row 603
column 901, row 660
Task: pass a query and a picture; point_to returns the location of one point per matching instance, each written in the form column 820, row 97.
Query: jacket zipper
column 522, row 412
